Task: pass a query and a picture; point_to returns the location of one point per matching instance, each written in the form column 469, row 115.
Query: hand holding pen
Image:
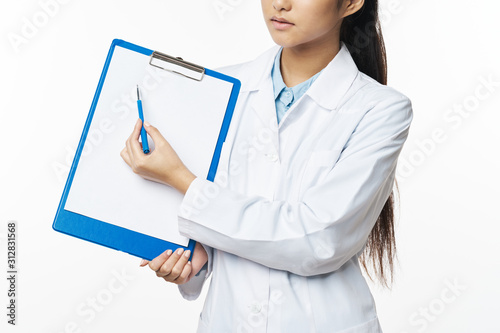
column 162, row 165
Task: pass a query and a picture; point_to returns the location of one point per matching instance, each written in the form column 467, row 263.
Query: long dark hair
column 362, row 35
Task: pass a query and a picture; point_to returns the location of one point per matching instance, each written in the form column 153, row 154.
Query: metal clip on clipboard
column 176, row 65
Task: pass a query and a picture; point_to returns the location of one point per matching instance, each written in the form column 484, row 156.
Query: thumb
column 153, row 132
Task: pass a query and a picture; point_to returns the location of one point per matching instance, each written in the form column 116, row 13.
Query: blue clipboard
column 113, row 236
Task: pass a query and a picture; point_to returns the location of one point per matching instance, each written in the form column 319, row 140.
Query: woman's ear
column 350, row 7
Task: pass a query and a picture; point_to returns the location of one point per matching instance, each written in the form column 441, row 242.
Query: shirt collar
column 279, row 84
column 327, row 91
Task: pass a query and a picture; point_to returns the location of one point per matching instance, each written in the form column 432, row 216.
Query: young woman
column 303, row 192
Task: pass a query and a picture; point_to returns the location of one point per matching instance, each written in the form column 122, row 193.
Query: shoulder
column 235, row 69
column 375, row 93
column 372, row 97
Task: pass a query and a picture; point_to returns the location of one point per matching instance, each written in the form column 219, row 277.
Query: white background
column 440, row 53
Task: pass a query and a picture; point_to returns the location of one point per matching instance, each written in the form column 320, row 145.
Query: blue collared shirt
column 284, row 96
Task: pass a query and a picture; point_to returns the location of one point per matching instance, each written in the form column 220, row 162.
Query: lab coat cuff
column 192, row 289
column 192, row 201
column 193, row 206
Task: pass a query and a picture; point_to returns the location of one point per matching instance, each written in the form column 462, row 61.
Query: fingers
column 172, row 266
column 179, row 266
column 133, row 146
column 133, row 154
column 157, row 262
column 144, row 262
column 154, row 133
column 185, row 275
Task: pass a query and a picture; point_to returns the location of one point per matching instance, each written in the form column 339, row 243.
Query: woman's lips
column 280, row 23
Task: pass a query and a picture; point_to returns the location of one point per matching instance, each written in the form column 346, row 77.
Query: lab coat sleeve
column 333, row 219
column 192, row 289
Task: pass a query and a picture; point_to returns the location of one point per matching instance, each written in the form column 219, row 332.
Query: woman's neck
column 300, row 63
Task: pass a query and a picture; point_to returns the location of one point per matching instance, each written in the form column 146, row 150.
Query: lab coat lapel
column 261, row 99
column 264, row 106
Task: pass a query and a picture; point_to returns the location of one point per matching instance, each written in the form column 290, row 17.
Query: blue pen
column 144, row 136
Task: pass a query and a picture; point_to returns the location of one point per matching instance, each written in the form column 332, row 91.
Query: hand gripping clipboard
column 103, row 201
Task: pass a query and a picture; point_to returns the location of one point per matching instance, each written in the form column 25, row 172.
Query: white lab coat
column 292, row 206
